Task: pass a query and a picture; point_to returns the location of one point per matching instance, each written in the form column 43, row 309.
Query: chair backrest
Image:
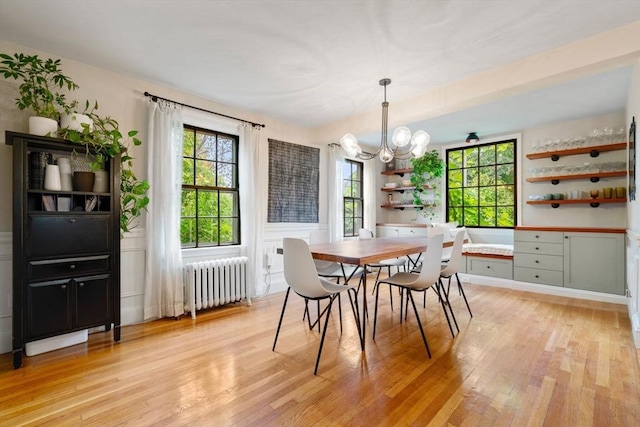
column 365, row 233
column 453, row 266
column 299, row 268
column 431, row 261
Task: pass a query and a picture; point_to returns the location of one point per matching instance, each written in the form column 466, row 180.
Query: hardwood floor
column 523, row 359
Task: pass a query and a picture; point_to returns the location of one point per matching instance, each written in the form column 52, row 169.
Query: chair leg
column 375, row 312
column 415, row 310
column 354, row 307
column 445, row 303
column 324, row 333
column 444, row 308
column 340, row 312
column 463, row 295
column 318, row 303
column 284, row 305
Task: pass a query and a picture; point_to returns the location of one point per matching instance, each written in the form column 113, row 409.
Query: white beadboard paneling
column 6, row 292
column 633, row 283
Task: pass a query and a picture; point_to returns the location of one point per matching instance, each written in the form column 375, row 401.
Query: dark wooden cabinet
column 66, row 248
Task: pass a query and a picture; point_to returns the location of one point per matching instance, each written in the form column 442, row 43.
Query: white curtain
column 252, row 203
column 163, row 289
column 334, row 193
column 370, row 194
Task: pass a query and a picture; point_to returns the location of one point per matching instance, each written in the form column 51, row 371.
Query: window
column 481, row 187
column 352, row 197
column 210, row 214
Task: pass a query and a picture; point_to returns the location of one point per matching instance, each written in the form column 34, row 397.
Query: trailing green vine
column 427, row 169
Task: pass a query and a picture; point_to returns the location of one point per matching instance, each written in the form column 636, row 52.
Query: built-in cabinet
column 66, row 248
column 590, row 260
column 400, row 230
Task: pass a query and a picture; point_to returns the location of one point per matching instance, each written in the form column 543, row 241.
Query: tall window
column 481, row 186
column 352, row 197
column 210, row 201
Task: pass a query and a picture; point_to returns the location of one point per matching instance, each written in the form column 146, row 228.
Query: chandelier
column 401, row 137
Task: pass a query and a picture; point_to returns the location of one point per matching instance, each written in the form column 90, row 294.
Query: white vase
column 101, row 182
column 74, row 121
column 42, row 126
column 52, row 178
column 66, row 178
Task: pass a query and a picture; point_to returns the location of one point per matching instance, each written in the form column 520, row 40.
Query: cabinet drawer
column 56, row 235
column 538, row 248
column 490, row 267
column 412, row 231
column 538, row 236
column 537, row 261
column 533, row 275
column 67, row 267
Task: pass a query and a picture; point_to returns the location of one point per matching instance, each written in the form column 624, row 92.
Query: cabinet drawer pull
column 72, row 221
column 537, row 262
column 63, row 287
column 537, row 249
column 72, row 267
column 537, row 237
column 488, row 266
column 81, row 284
column 537, row 277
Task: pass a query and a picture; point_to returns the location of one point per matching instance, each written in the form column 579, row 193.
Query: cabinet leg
column 116, row 332
column 107, row 327
column 17, row 358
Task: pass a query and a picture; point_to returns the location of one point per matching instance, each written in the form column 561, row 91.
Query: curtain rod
column 155, row 98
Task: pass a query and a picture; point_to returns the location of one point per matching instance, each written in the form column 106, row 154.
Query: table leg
column 363, row 319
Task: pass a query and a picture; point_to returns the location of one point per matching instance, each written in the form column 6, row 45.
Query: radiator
column 216, row 282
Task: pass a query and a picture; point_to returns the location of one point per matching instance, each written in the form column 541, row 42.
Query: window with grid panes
column 481, row 185
column 352, row 197
column 210, row 206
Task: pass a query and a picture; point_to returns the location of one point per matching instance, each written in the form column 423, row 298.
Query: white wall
column 633, row 213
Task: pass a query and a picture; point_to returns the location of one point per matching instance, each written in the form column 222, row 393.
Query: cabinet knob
column 72, row 267
column 566, row 237
column 537, row 249
column 537, row 237
column 488, row 266
column 63, row 287
column 537, row 277
column 81, row 284
column 537, row 262
column 72, row 221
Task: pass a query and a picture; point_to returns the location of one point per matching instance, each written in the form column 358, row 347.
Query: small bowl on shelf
column 391, row 185
column 406, row 183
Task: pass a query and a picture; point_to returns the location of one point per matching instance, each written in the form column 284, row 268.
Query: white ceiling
column 313, row 62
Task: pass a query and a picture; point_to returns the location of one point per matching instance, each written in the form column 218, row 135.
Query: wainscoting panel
column 6, row 292
column 633, row 283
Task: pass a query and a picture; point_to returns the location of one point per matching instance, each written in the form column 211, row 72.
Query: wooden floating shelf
column 402, row 207
column 582, row 150
column 401, row 189
column 594, row 177
column 594, row 203
column 399, row 172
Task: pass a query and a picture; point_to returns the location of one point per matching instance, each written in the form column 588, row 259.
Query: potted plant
column 426, row 169
column 38, row 90
column 106, row 140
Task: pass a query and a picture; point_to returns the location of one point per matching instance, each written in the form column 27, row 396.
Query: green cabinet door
column 594, row 262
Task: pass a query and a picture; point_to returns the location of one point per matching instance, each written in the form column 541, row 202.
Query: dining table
column 366, row 252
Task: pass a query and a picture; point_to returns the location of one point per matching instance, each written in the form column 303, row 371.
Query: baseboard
column 635, row 329
column 543, row 289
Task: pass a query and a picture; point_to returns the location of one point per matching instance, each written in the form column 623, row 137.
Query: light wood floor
column 523, row 359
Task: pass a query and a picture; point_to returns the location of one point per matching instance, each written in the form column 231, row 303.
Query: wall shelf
column 594, row 203
column 593, row 177
column 401, row 189
column 399, row 172
column 593, row 151
column 402, row 207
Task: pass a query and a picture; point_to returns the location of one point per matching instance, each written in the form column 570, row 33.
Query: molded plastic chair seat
column 301, row 276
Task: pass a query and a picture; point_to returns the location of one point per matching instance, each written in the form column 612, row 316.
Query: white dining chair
column 301, row 276
column 409, row 282
column 452, row 267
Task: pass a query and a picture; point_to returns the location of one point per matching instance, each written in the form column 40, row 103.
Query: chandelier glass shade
column 403, row 144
